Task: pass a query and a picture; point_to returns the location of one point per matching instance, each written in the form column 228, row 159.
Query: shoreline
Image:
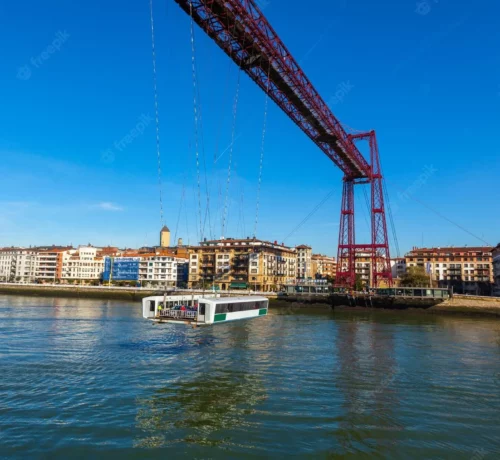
column 458, row 305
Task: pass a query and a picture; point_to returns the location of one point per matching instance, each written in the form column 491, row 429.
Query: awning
column 238, row 285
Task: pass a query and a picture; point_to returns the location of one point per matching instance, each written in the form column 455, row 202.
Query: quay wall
column 96, row 292
column 100, row 292
column 461, row 304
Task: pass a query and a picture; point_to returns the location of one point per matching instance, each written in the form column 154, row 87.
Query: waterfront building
column 166, row 268
column 496, row 271
column 323, row 266
column 29, row 265
column 82, row 264
column 398, row 267
column 363, row 269
column 241, row 264
column 18, row 264
column 468, row 270
column 49, row 263
column 304, row 262
column 121, row 269
column 363, row 266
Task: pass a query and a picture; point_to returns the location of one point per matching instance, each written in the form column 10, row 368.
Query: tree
column 358, row 286
column 415, row 277
column 330, row 279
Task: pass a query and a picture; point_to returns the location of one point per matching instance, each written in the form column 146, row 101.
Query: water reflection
column 366, row 377
column 203, row 411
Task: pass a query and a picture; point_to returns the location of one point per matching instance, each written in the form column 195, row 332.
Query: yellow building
column 165, row 237
column 241, row 264
column 323, row 266
column 469, row 270
column 364, row 270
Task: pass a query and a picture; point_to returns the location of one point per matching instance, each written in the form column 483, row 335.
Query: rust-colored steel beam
column 240, row 29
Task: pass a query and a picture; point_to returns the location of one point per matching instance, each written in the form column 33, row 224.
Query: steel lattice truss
column 240, row 29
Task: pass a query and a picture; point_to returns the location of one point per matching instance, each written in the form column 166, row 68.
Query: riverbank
column 100, row 292
column 95, row 292
column 458, row 305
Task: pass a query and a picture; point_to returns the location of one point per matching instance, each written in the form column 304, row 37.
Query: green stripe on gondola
column 220, row 317
column 263, row 311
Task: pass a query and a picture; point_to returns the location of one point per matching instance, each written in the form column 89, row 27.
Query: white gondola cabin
column 202, row 309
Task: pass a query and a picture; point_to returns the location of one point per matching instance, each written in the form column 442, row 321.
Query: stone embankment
column 470, row 305
column 459, row 304
column 96, row 292
column 102, row 292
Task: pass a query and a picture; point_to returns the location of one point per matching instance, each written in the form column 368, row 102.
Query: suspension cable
column 368, row 207
column 202, row 142
column 261, row 164
column 313, row 211
column 183, row 197
column 241, row 215
column 435, row 211
column 157, row 120
column 196, row 119
column 233, row 132
column 391, row 219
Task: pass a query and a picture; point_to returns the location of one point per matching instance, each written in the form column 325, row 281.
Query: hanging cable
column 157, row 120
column 183, row 196
column 315, row 209
column 202, row 142
column 391, row 219
column 368, row 207
column 233, row 132
column 444, row 217
column 240, row 229
column 261, row 164
column 196, row 120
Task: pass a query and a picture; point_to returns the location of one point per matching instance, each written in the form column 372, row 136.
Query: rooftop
column 243, row 242
column 453, row 249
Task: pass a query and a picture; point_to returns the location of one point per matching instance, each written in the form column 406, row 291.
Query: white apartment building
column 47, row 264
column 304, row 262
column 398, row 267
column 468, row 270
column 29, row 264
column 18, row 264
column 165, row 270
column 83, row 264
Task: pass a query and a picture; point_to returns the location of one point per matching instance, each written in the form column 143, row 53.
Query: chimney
column 179, row 242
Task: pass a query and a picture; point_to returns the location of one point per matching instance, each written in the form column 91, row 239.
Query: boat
column 202, row 310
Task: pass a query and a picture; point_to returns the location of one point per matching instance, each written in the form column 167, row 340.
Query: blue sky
column 425, row 76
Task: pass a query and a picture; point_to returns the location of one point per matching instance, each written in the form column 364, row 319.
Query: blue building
column 121, row 268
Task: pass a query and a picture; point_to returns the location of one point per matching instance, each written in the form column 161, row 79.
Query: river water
column 90, row 377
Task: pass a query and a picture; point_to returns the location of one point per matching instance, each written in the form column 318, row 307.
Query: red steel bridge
column 240, row 29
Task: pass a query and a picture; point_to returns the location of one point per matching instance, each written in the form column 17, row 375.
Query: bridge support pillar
column 378, row 250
